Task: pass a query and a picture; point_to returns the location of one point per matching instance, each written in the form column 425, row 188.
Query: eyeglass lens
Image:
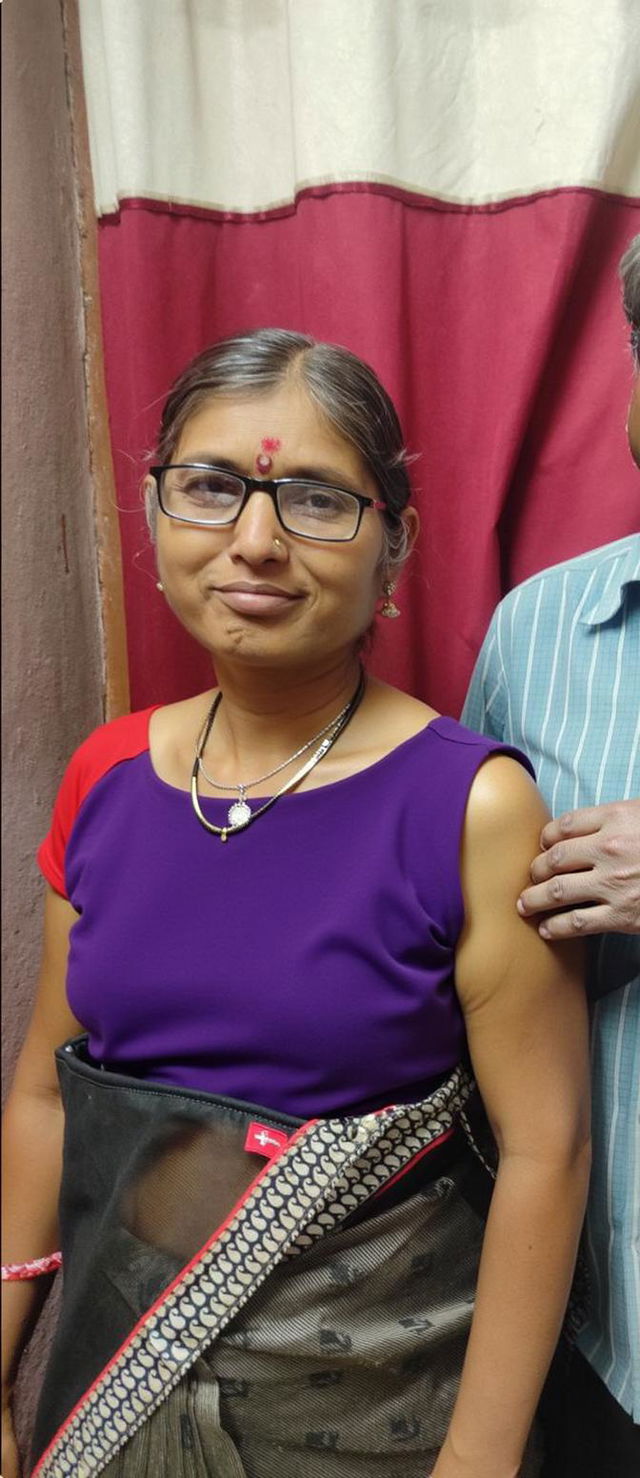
column 206, row 496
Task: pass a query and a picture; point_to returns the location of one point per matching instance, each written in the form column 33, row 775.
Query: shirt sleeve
column 121, row 739
column 486, row 706
column 52, row 851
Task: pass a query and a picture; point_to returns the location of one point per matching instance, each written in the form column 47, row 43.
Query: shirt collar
column 609, row 587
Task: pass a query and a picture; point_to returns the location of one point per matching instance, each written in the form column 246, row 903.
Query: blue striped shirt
column 559, row 676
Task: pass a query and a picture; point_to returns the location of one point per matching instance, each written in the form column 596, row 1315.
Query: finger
column 568, row 890
column 576, row 923
column 572, row 824
column 572, row 856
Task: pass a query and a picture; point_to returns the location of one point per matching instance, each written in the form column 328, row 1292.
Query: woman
column 296, row 891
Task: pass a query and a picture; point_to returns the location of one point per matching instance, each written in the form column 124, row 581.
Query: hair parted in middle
column 342, row 387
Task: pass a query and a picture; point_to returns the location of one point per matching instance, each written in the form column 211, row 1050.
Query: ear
column 150, row 496
column 411, row 521
column 392, row 566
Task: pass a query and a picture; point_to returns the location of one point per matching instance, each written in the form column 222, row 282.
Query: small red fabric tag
column 263, row 1140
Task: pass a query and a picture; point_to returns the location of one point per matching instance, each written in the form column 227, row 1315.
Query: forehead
column 233, row 427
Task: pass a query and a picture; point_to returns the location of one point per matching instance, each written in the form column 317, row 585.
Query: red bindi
column 264, row 460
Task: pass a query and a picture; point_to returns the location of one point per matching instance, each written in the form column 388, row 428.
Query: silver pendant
column 239, row 813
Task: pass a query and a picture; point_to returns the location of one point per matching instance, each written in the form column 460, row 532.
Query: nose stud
column 277, row 543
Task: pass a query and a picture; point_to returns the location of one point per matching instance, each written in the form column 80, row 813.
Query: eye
column 320, row 502
column 206, row 488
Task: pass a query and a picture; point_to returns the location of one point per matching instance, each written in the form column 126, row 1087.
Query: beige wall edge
column 65, row 666
column 108, row 549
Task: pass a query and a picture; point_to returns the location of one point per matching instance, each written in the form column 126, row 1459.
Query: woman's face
column 244, row 596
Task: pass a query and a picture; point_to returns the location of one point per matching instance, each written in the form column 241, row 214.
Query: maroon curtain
column 495, row 323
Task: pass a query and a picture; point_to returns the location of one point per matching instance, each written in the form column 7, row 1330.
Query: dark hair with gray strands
column 341, row 386
column 630, row 279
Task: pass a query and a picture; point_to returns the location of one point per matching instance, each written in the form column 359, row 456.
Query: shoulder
column 395, row 717
column 532, row 622
column 504, row 800
column 120, row 739
column 568, row 579
column 500, row 949
column 103, row 749
column 386, row 719
column 475, row 748
column 504, row 817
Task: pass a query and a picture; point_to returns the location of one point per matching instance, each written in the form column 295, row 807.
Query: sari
column 247, row 1295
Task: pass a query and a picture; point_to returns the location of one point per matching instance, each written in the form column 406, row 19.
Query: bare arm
column 586, row 880
column 32, row 1144
column 527, row 1028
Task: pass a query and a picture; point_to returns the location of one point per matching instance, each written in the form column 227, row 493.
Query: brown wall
column 53, row 629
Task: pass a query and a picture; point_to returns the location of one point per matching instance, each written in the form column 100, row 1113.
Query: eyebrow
column 208, row 459
column 327, row 475
column 313, row 473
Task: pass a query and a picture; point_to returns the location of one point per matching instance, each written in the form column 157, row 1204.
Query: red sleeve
column 122, row 739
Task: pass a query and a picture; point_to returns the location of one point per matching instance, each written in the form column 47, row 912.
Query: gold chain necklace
column 240, row 814
column 241, row 810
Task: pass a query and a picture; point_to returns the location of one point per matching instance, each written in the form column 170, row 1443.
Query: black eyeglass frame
column 270, row 486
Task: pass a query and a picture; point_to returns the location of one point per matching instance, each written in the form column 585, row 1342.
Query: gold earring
column 389, row 609
column 159, row 585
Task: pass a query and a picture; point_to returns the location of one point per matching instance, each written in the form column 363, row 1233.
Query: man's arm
column 586, row 879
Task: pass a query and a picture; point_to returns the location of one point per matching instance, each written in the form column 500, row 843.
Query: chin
column 253, row 647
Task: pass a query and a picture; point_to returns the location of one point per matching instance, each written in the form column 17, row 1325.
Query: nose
column 257, row 533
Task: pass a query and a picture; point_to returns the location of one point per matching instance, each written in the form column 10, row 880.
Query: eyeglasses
column 212, row 498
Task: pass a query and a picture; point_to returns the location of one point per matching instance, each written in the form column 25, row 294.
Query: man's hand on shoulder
column 586, row 880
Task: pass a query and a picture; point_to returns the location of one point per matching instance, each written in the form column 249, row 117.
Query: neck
column 264, row 716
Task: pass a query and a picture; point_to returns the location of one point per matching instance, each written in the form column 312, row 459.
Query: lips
column 255, row 599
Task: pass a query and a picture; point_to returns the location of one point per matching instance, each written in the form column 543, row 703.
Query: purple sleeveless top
column 306, row 964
